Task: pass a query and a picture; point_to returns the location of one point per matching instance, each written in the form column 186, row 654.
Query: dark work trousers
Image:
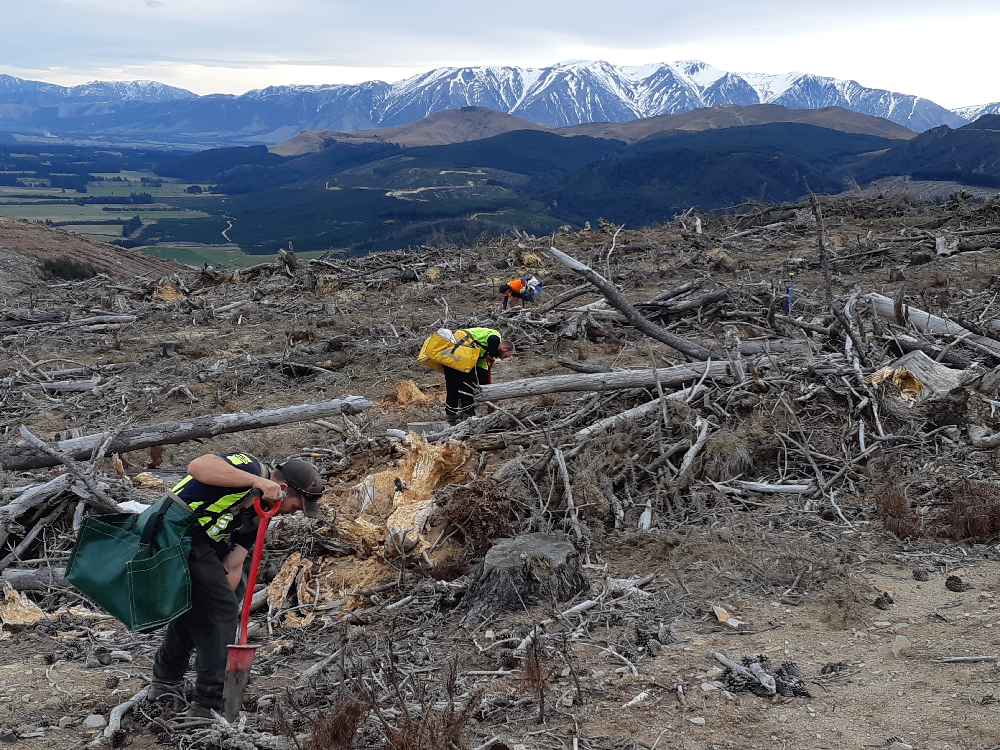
column 460, row 402
column 207, row 628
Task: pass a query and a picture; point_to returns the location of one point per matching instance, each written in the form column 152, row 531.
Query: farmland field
column 93, row 212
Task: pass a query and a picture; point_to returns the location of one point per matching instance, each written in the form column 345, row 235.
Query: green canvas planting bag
column 135, row 567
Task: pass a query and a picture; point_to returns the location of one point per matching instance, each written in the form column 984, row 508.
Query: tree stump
column 524, row 570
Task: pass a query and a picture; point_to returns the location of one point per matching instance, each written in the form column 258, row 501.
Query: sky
column 942, row 51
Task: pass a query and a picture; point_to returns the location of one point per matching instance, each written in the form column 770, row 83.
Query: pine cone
column 954, row 583
column 736, row 683
column 790, row 668
column 884, row 600
column 919, row 574
column 788, row 681
column 507, row 660
column 834, row 668
column 667, row 635
column 641, row 637
column 111, row 682
column 118, row 738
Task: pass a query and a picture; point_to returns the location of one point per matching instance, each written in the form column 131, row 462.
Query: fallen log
column 907, row 344
column 672, row 308
column 982, row 438
column 100, row 319
column 607, row 423
column 36, row 319
column 634, row 317
column 677, row 291
column 40, row 579
column 668, row 377
column 66, row 386
column 777, row 489
column 563, row 298
column 23, row 456
column 925, row 322
column 583, row 366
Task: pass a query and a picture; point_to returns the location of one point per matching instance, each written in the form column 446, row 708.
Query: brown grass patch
column 974, row 512
column 897, row 516
column 336, row 727
column 481, row 509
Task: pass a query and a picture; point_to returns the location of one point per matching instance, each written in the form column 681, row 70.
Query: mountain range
column 561, row 95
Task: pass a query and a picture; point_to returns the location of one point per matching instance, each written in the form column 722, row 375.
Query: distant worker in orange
column 524, row 290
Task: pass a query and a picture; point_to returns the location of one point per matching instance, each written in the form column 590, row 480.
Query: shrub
column 67, row 268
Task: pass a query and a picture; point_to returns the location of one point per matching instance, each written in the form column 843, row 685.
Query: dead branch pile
column 828, row 371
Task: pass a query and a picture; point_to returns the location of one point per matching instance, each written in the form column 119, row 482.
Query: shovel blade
column 237, row 676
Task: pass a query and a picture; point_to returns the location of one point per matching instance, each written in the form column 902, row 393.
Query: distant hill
column 450, row 126
column 477, row 123
column 734, row 115
column 970, row 155
column 370, row 195
column 656, row 178
column 975, row 112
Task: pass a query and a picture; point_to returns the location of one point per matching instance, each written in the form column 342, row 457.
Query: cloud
column 236, row 45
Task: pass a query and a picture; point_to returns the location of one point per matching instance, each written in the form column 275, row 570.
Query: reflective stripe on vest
column 214, row 525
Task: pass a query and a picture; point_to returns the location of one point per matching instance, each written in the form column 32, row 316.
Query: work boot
column 196, row 717
column 198, row 711
column 169, row 695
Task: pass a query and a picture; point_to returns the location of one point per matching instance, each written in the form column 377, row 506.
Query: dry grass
column 974, row 512
column 897, row 516
column 337, row 727
column 481, row 509
column 726, row 456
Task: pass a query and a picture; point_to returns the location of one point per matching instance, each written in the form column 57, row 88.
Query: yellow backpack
column 457, row 350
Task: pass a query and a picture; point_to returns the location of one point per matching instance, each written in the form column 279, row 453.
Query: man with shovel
column 220, row 491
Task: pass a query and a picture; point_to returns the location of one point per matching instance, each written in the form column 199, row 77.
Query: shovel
column 241, row 655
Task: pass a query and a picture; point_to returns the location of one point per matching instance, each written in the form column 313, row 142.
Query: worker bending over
column 220, row 490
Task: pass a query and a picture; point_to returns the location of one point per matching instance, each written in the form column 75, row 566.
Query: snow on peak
column 769, row 86
column 699, row 73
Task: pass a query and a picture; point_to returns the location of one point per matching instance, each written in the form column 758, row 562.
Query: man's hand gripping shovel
column 241, row 655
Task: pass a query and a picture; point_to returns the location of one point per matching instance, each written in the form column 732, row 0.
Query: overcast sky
column 943, row 50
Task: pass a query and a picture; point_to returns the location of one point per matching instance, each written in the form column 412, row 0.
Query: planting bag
column 135, row 567
column 456, row 350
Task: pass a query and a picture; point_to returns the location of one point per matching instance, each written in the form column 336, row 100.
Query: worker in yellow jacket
column 461, row 386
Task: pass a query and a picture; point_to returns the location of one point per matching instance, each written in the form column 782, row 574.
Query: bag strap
column 466, row 336
column 150, row 528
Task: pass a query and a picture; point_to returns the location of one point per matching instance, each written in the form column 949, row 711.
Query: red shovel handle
column 258, row 549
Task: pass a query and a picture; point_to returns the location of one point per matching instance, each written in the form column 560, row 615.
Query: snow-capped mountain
column 577, row 91
column 976, row 111
column 20, row 91
column 567, row 93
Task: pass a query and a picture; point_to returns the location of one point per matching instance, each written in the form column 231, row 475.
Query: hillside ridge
column 476, row 123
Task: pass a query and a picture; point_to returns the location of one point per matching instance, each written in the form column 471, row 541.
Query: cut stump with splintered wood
column 523, row 570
